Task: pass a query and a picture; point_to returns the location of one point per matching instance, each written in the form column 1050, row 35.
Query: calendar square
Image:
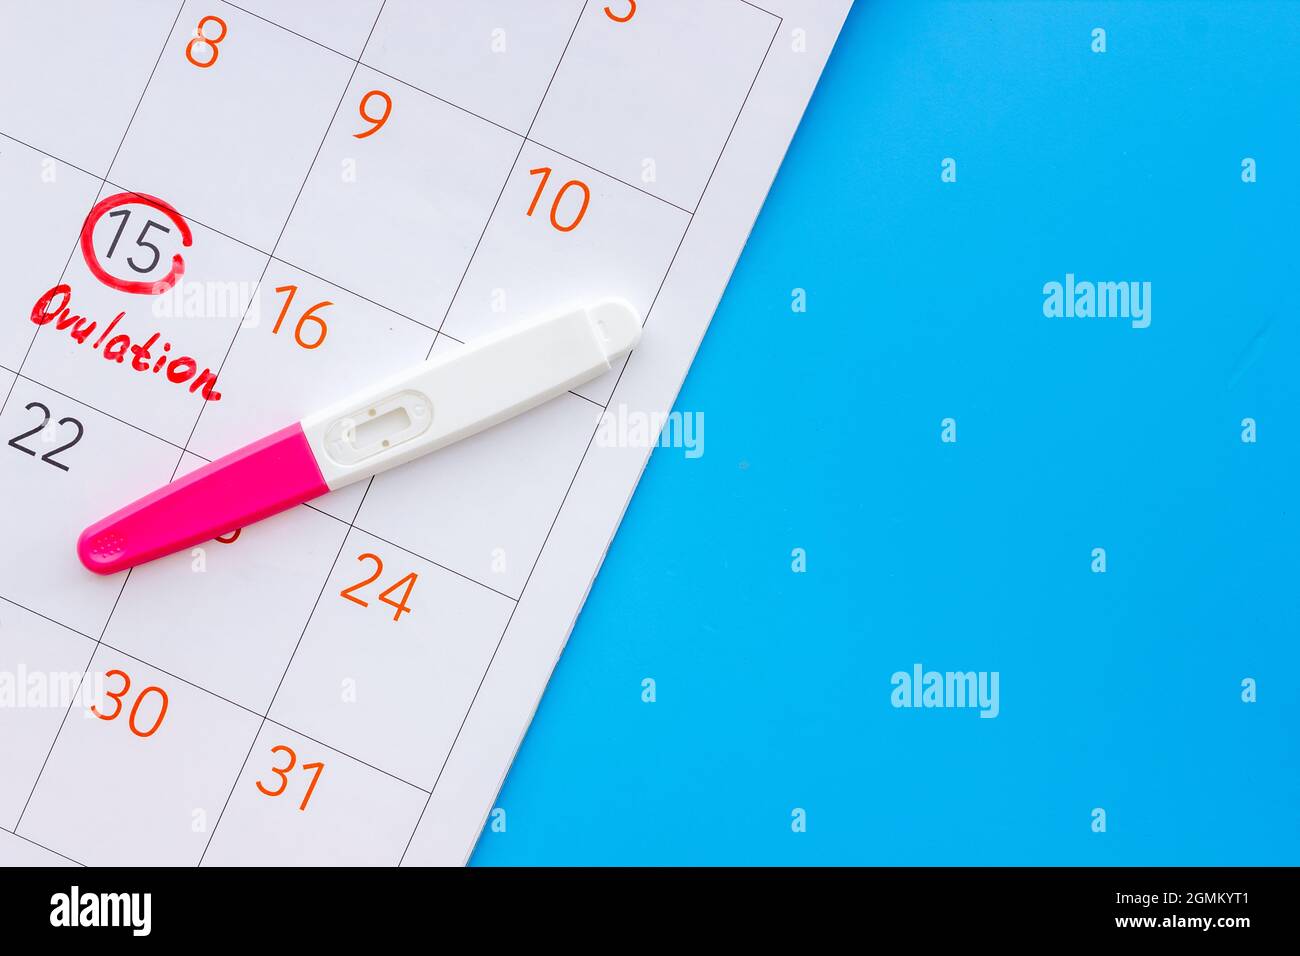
column 614, row 241
column 67, row 466
column 15, row 851
column 308, row 343
column 491, row 57
column 392, row 211
column 119, row 786
column 41, row 669
column 237, row 649
column 363, row 670
column 102, row 61
column 341, row 25
column 656, row 121
column 467, row 507
column 181, row 334
column 229, row 144
column 298, row 800
column 35, row 189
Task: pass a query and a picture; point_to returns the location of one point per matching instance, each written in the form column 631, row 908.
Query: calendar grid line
column 300, row 36
column 72, row 398
column 451, row 303
column 230, row 795
column 354, row 293
column 254, row 712
column 45, row 617
column 373, row 69
column 280, row 259
column 68, row 710
column 100, row 192
column 510, row 174
column 415, row 554
column 369, row 484
column 287, row 219
column 306, row 504
column 206, row 459
column 225, row 235
column 601, row 172
column 428, row 560
column 495, row 650
column 271, row 255
column 344, row 753
column 419, row 89
column 143, row 93
column 285, row 673
column 186, row 451
column 60, row 160
column 3, row 405
column 176, row 677
column 541, row 103
column 775, row 16
column 27, row 839
column 555, row 520
column 743, row 103
column 591, row 401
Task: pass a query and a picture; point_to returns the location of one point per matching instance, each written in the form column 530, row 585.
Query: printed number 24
column 400, row 603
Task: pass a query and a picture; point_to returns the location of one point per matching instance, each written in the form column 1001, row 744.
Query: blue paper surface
column 773, row 735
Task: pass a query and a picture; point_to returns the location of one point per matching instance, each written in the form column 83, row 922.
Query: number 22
column 49, row 455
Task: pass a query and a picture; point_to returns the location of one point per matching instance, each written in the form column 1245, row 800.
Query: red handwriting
column 116, row 348
column 155, row 287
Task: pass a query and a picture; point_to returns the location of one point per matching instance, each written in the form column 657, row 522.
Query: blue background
column 1119, row 690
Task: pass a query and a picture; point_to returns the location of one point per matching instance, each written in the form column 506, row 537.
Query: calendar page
column 220, row 217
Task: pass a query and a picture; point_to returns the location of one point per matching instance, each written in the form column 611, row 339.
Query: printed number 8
column 210, row 42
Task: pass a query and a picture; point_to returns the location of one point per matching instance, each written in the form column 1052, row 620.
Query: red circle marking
column 156, row 287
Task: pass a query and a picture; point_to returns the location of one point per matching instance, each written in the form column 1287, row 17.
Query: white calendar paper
column 275, row 202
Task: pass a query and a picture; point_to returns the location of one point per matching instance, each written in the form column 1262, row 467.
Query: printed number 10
column 545, row 173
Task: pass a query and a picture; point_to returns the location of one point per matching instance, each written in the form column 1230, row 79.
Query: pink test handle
column 257, row 481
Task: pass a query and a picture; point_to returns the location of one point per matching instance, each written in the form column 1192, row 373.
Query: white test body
column 471, row 388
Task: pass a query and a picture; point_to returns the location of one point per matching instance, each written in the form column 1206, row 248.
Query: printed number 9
column 378, row 121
